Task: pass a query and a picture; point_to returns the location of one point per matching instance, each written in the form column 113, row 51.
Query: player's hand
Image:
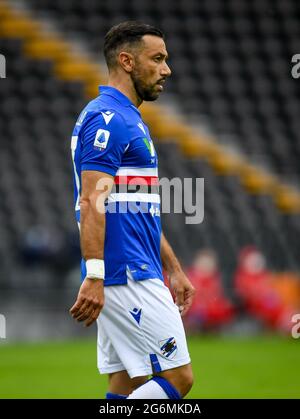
column 90, row 301
column 183, row 290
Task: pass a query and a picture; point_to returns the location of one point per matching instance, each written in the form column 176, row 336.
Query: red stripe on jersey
column 136, row 180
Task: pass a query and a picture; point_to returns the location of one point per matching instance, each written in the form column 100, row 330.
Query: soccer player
column 140, row 330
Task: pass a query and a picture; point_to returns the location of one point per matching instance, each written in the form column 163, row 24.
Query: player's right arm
column 103, row 141
column 96, row 186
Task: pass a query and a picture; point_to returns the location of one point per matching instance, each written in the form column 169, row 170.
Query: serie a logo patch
column 101, row 139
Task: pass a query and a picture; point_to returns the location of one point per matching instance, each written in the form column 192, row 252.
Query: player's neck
column 126, row 88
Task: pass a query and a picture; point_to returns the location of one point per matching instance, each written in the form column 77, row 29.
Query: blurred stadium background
column 230, row 115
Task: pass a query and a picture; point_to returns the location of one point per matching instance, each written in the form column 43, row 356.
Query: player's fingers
column 187, row 305
column 84, row 307
column 179, row 297
column 190, row 292
column 86, row 314
column 189, row 297
column 93, row 317
column 78, row 308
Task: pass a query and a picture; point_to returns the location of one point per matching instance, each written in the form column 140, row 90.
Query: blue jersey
column 110, row 137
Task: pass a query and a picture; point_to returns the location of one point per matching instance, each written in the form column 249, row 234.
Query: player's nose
column 166, row 71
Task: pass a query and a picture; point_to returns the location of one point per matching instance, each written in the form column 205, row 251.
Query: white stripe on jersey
column 134, row 197
column 137, row 171
column 74, row 142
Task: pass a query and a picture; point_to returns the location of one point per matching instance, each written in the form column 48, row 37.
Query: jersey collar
column 116, row 94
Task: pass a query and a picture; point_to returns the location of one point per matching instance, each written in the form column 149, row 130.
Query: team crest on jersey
column 168, row 347
column 101, row 139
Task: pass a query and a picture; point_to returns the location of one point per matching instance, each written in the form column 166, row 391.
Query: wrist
column 174, row 269
column 95, row 268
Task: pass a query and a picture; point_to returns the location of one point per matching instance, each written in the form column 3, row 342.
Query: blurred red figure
column 210, row 308
column 254, row 284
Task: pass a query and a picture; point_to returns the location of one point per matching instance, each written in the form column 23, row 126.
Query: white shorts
column 140, row 330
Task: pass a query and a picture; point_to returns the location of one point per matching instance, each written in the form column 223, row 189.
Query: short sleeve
column 103, row 139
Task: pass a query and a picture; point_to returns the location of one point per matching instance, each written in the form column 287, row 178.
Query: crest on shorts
column 168, row 347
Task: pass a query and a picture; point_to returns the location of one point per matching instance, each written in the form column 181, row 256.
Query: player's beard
column 145, row 91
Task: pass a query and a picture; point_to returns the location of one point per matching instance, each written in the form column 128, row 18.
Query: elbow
column 85, row 203
column 94, row 202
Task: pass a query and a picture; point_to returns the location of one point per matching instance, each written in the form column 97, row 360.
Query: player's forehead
column 154, row 45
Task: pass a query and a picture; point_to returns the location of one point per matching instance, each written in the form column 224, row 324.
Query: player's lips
column 160, row 84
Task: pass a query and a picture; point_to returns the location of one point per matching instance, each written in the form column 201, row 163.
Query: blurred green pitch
column 261, row 367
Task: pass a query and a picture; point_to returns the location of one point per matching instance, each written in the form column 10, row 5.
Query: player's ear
column 126, row 61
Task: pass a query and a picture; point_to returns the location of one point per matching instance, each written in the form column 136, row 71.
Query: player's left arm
column 179, row 283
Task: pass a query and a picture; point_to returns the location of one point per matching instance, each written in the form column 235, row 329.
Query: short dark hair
column 130, row 33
